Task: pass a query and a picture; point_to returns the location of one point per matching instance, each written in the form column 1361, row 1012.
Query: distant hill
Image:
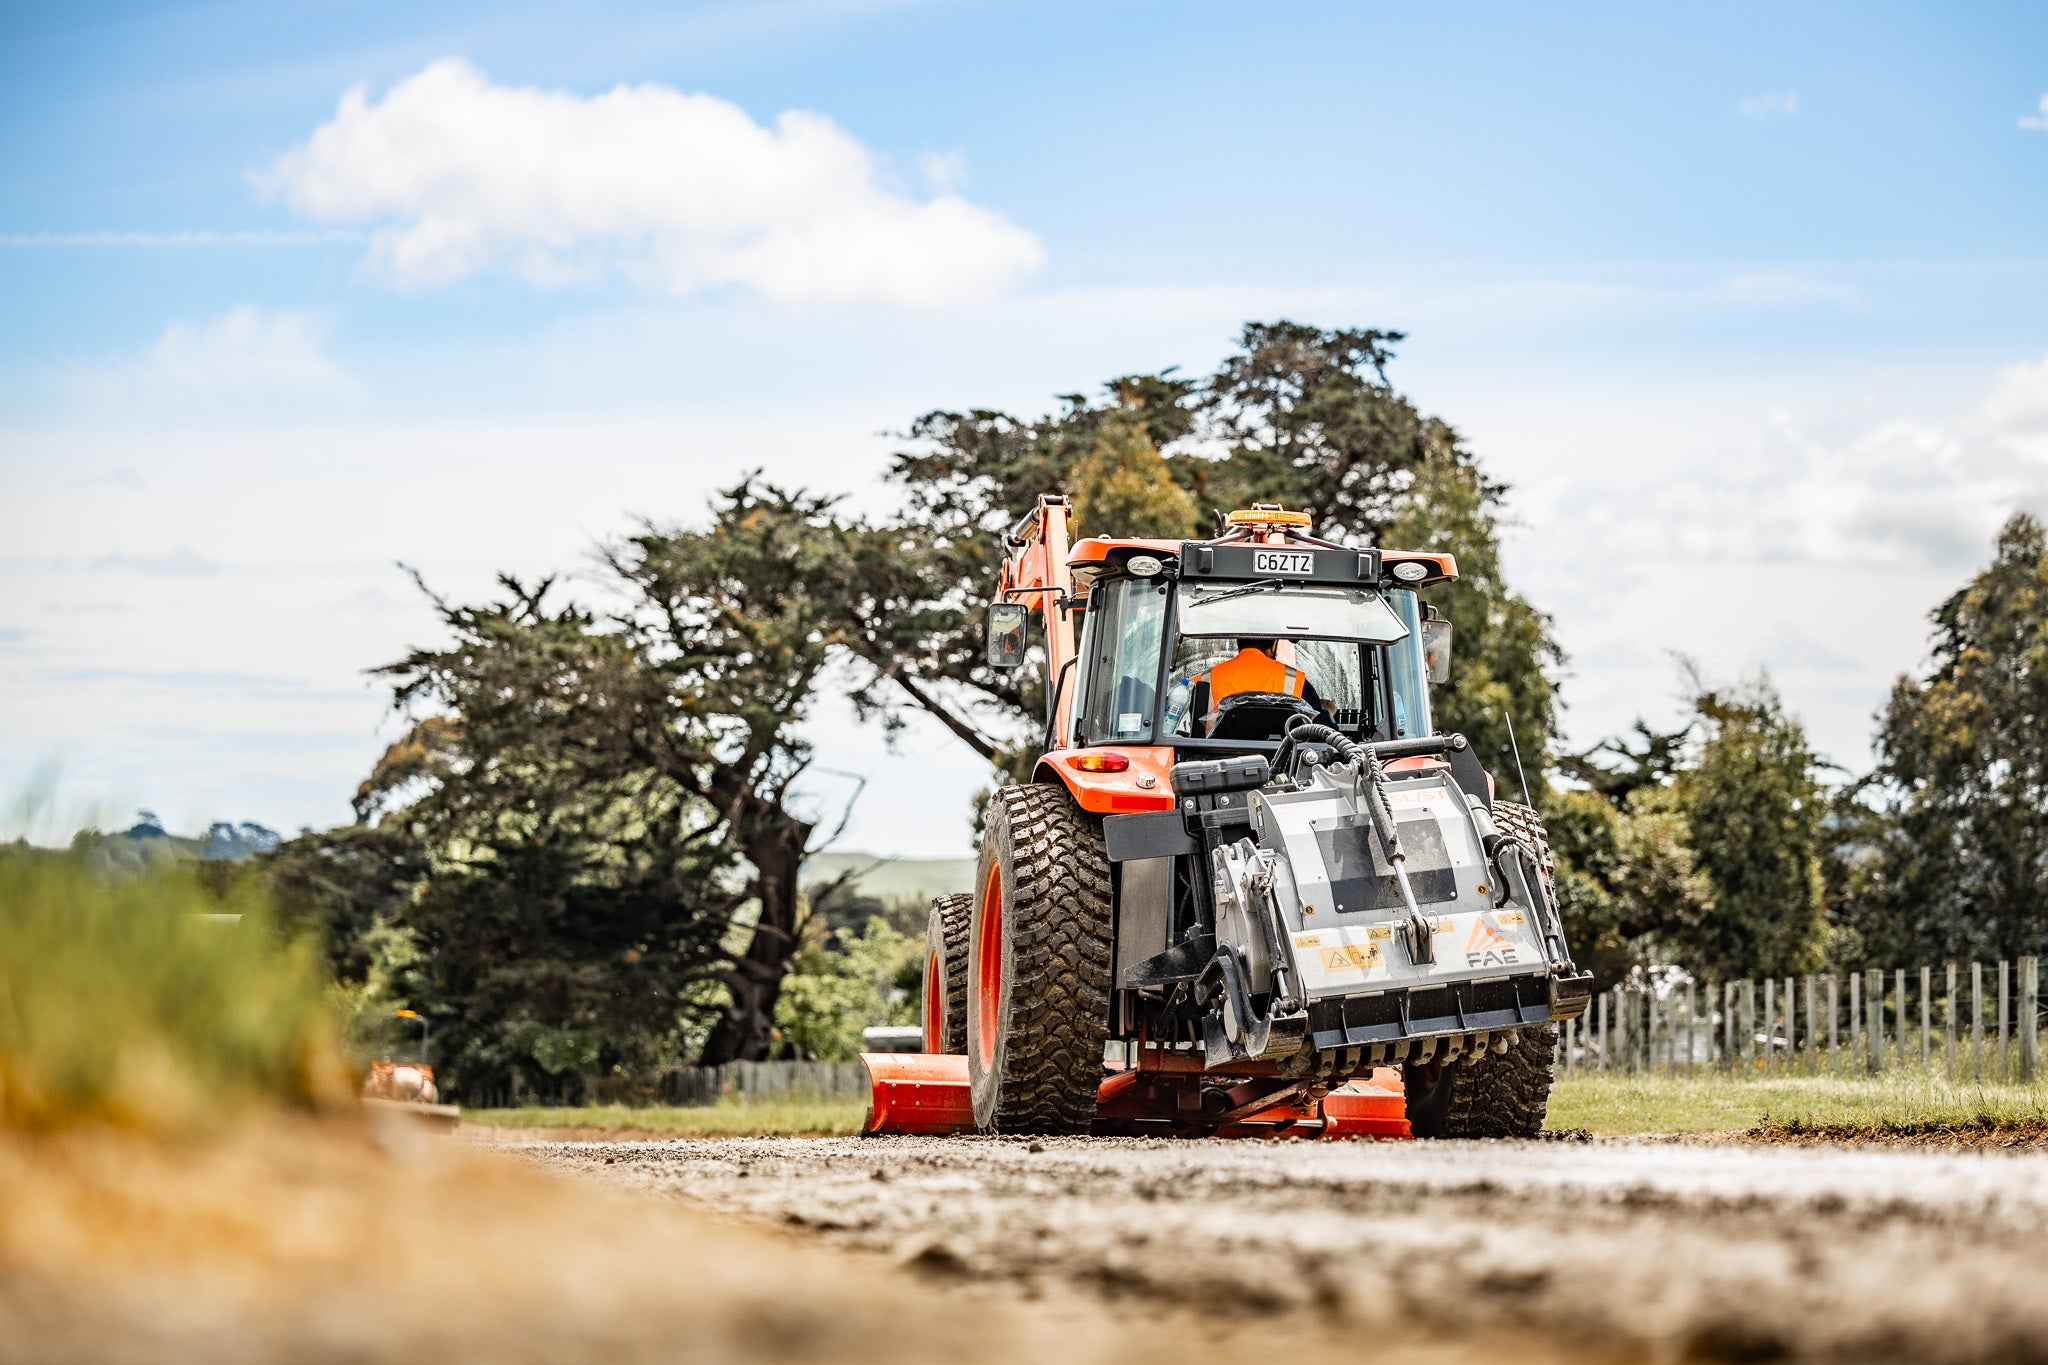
column 145, row 845
column 893, row 879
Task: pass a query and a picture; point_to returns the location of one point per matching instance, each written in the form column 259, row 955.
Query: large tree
column 1754, row 804
column 1961, row 868
column 739, row 623
column 561, row 903
column 606, row 806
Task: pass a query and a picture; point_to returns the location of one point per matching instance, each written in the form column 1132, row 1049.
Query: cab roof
column 1091, row 556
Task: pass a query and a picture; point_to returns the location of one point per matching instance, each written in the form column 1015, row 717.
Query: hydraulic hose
column 1371, row 784
column 1313, row 732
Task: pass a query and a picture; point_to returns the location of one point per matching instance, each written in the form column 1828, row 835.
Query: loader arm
column 1036, row 573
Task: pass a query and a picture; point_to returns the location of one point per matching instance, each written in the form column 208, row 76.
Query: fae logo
column 1488, row 947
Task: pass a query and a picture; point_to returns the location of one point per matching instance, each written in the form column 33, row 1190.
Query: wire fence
column 1968, row 1021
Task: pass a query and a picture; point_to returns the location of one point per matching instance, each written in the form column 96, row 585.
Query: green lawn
column 732, row 1116
column 1619, row 1105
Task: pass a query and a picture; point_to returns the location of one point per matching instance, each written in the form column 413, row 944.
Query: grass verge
column 144, row 1003
column 733, row 1116
column 1793, row 1105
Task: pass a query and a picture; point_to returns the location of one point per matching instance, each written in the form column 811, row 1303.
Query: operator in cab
column 1254, row 668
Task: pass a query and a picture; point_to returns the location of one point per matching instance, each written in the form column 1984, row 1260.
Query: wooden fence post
column 1812, row 1025
column 1926, row 1017
column 2029, row 1020
column 1692, row 1025
column 2004, row 1070
column 1899, row 990
column 1948, row 1057
column 1600, row 1030
column 1748, row 1005
column 1770, row 1000
column 1976, row 1021
column 1873, row 1004
column 1650, row 1027
column 1834, row 1016
column 1727, row 1054
column 1855, row 1021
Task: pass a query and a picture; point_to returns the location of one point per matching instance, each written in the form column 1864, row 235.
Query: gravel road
column 1659, row 1250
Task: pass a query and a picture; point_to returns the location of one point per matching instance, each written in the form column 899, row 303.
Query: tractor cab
column 1203, row 648
column 1170, row 654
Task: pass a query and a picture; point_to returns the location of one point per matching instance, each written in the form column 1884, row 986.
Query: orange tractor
column 1250, row 889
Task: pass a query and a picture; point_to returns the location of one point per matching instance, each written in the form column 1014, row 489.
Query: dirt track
column 1667, row 1250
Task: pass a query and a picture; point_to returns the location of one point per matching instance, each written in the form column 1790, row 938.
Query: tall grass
column 123, row 1003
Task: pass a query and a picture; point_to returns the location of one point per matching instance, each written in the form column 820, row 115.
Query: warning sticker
column 1487, row 946
column 1379, row 931
column 1351, row 958
column 1509, row 917
column 1308, row 940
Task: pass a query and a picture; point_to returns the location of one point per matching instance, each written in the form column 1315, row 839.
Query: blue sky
column 1749, row 301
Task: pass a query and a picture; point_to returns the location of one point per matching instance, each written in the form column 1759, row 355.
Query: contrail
column 247, row 237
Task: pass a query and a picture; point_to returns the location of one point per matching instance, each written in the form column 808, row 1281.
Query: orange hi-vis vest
column 1252, row 670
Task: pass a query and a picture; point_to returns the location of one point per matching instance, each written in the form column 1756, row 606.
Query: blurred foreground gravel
column 1672, row 1250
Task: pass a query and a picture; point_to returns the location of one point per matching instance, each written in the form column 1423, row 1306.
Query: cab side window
column 1127, row 629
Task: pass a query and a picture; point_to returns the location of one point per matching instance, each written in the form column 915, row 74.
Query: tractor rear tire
column 945, row 973
column 1497, row 1094
column 1039, row 962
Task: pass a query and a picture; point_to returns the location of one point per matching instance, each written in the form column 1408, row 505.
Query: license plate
column 1284, row 563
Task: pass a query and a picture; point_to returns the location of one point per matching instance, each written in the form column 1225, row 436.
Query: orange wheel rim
column 934, row 1004
column 988, row 968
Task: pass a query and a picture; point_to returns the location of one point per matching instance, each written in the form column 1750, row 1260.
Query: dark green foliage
column 338, row 885
column 1309, row 419
column 1704, row 857
column 1653, row 762
column 1960, row 868
column 1754, row 804
column 1501, row 646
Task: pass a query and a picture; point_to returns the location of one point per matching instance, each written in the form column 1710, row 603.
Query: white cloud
column 677, row 192
column 1783, row 104
column 245, row 361
column 1894, row 493
column 243, row 349
column 183, row 562
column 2039, row 123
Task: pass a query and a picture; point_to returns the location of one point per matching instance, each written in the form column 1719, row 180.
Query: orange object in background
column 411, row 1082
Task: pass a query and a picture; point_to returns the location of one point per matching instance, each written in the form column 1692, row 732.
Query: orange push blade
column 918, row 1092
column 1370, row 1106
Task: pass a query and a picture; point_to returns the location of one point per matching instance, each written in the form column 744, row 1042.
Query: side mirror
column 1006, row 634
column 1436, row 650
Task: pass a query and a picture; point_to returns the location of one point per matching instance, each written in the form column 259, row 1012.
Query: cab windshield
column 1356, row 652
column 1275, row 607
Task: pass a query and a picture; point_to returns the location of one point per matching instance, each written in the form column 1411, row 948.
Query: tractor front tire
column 1496, row 1094
column 945, row 973
column 1039, row 962
column 1523, row 823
